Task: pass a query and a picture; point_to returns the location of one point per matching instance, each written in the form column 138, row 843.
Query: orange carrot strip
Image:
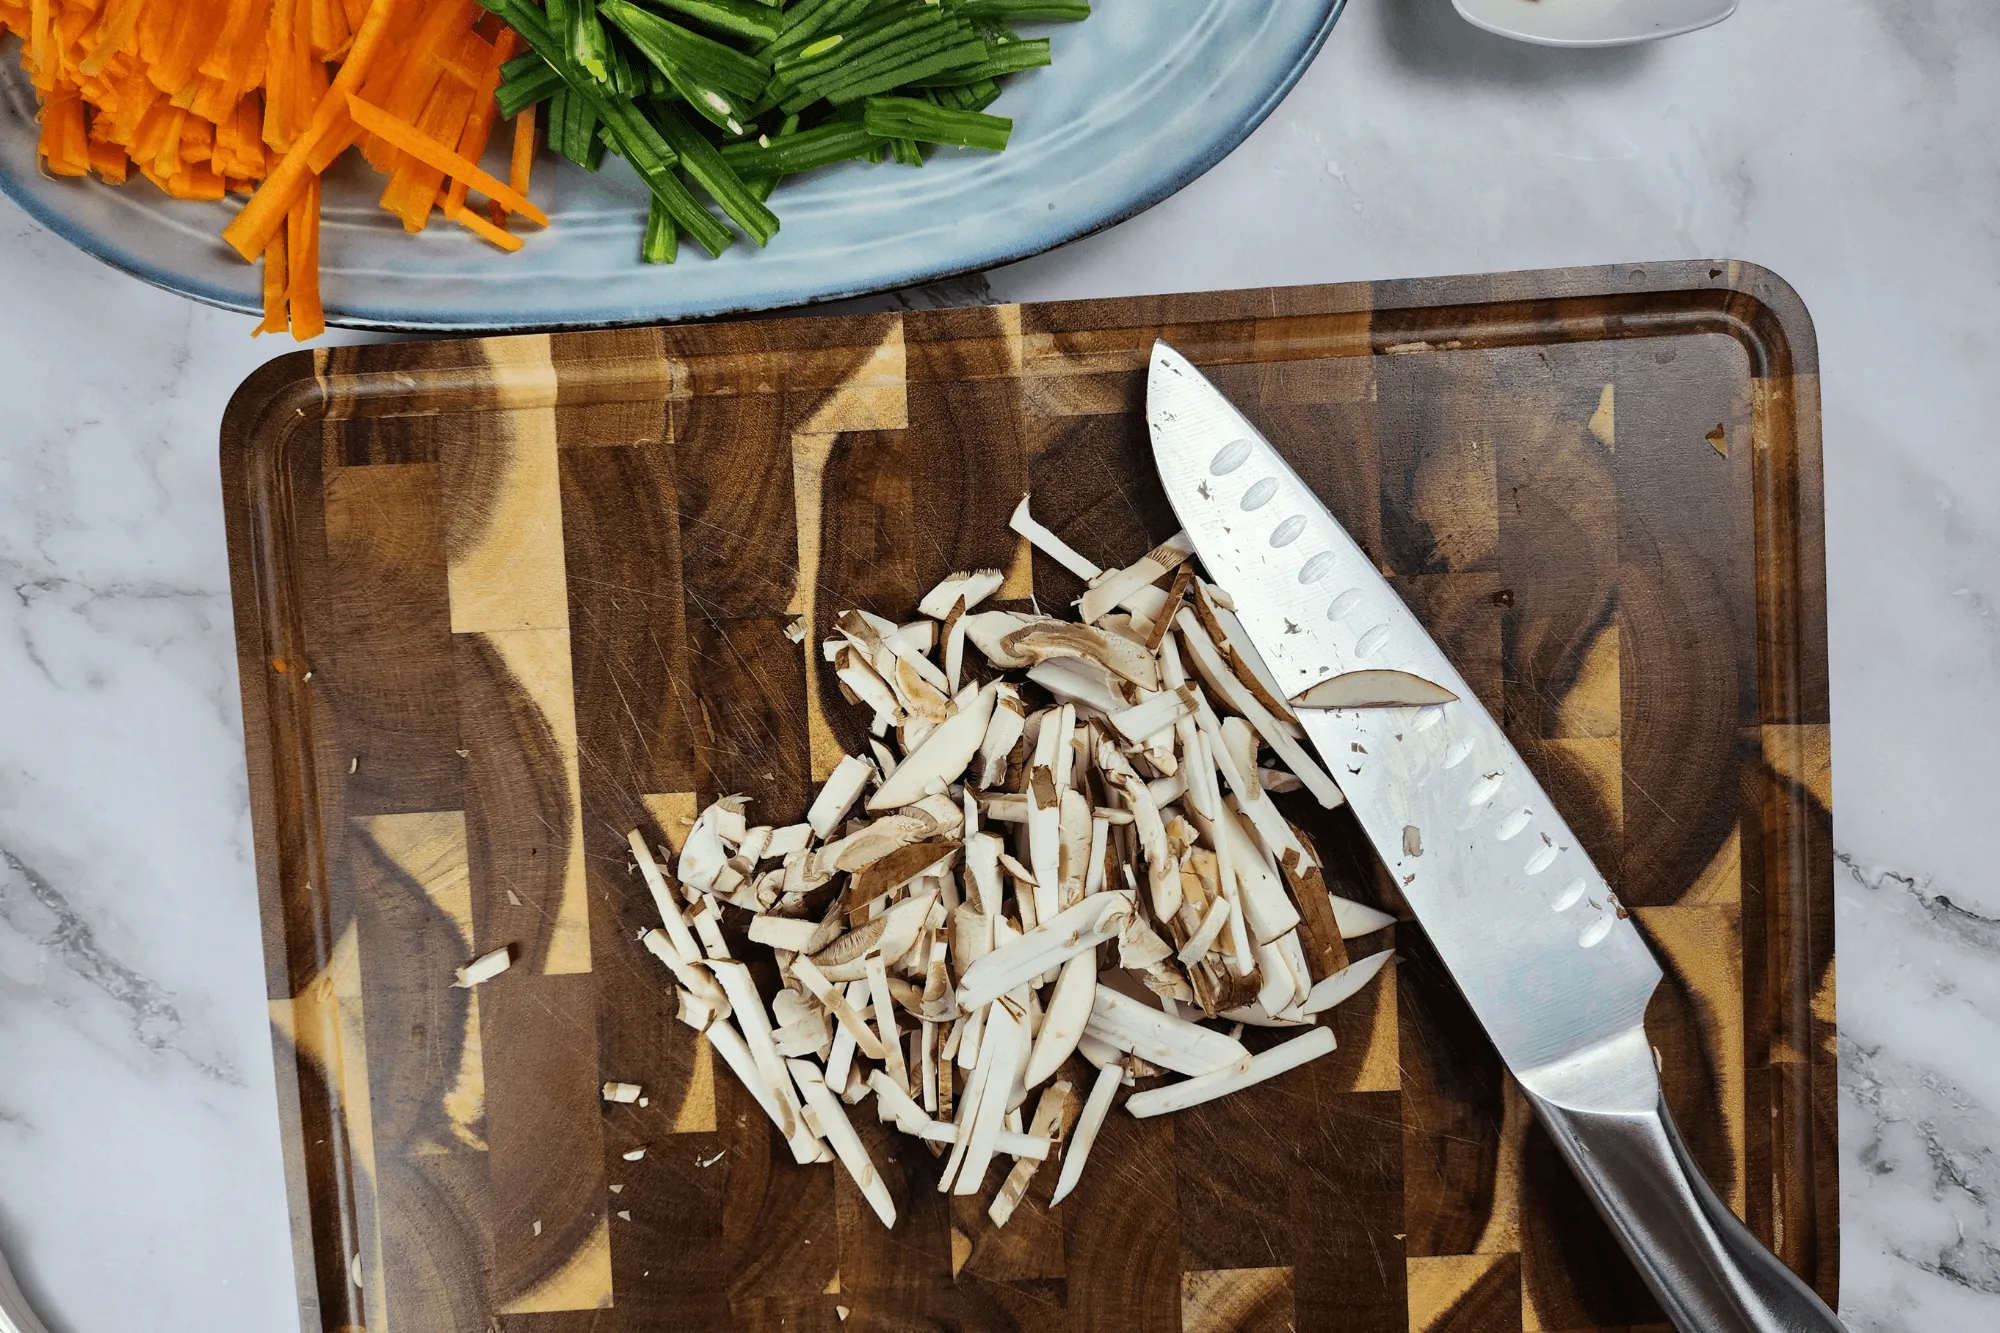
column 425, row 149
column 407, row 94
column 65, row 144
column 302, row 242
column 276, row 274
column 523, row 165
column 279, row 78
column 108, row 160
column 112, row 35
column 260, row 219
column 485, row 108
column 483, row 229
column 414, row 185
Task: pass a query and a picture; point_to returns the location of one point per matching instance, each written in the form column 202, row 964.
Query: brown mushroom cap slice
column 1373, row 689
column 942, row 756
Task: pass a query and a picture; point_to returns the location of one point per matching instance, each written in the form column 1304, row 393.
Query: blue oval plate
column 1143, row 97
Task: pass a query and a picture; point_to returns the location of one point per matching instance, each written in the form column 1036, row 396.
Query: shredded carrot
column 425, row 149
column 260, row 97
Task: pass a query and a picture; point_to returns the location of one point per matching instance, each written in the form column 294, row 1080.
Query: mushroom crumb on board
column 1070, row 852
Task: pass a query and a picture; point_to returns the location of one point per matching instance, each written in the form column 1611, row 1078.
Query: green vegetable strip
column 720, row 108
column 813, row 18
column 906, row 152
column 1011, row 58
column 1026, row 11
column 971, row 53
column 761, row 186
column 520, row 91
column 897, row 55
column 589, row 48
column 849, row 43
column 639, row 142
column 910, row 33
column 706, row 59
column 627, row 77
column 804, row 151
column 914, row 118
column 522, row 65
column 740, row 18
column 663, row 239
column 975, row 98
column 716, row 176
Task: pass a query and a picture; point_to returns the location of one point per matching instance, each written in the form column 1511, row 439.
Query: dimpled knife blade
column 1525, row 922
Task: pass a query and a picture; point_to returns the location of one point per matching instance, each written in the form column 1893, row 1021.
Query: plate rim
column 1158, row 191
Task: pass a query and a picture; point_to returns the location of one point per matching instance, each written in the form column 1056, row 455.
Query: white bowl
column 1593, row 22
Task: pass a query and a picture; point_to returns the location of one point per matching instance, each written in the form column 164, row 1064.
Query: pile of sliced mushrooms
column 1074, row 854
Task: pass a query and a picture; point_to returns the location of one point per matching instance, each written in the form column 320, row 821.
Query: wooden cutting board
column 500, row 601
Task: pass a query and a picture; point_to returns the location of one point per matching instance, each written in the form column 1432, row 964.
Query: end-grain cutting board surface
column 499, row 602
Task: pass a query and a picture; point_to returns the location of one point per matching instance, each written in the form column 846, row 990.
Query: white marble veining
column 1845, row 143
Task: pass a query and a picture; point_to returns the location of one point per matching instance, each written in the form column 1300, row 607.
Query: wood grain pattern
column 500, row 601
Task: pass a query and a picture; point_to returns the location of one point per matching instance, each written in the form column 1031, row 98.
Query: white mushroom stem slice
column 822, row 989
column 1343, row 984
column 1094, row 921
column 842, row 789
column 1040, row 640
column 1077, row 1151
column 1049, row 544
column 755, row 1027
column 1250, row 666
column 885, row 758
column 483, row 968
column 1111, row 587
column 1282, row 1058
column 1241, row 739
column 1277, row 780
column 943, row 755
column 1356, row 919
column 1140, row 946
column 885, row 640
column 1293, row 950
column 972, row 587
column 840, row 1136
column 708, row 929
column 999, row 1059
column 1151, row 715
column 782, row 932
column 730, row 825
column 909, row 1117
column 788, row 839
column 1100, row 838
column 1064, row 1019
column 885, row 1022
column 1100, row 1052
column 1276, row 987
column 1373, row 689
column 1074, row 835
column 918, row 634
column 1243, row 701
column 691, row 975
column 1162, row 872
column 1078, row 680
column 1267, row 908
column 840, row 1060
column 1167, row 790
column 1047, row 1124
column 1253, row 1015
column 1270, row 825
column 735, row 1052
column 704, row 854
column 1210, row 930
column 663, row 898
column 622, row 1093
column 1003, row 730
column 1174, row 1043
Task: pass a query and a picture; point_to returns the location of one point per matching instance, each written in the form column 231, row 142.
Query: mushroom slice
column 1111, row 587
column 1357, row 919
column 933, row 816
column 729, row 1044
column 1235, row 648
column 1329, row 991
column 841, row 790
column 692, row 974
column 893, row 871
column 1077, row 1151
column 1205, row 936
column 1047, row 1124
column 1040, row 640
column 885, row 1022
column 484, row 968
column 1282, row 1058
column 704, row 854
column 1263, row 815
column 1238, row 696
column 891, row 934
column 1253, row 1015
column 878, row 639
column 1049, row 544
column 1162, row 870
column 982, row 865
column 1063, row 1021
column 1267, row 909
column 1094, row 921
column 780, row 932
column 1319, row 931
column 1173, row 1043
column 1373, row 689
column 1152, row 715
column 1277, row 780
column 943, row 755
column 999, row 1060
column 663, row 898
column 1003, row 729
column 755, row 1027
column 840, row 1136
column 788, row 839
column 989, row 631
column 840, row 1060
column 1241, row 738
column 867, row 687
column 918, row 634
column 1079, row 680
column 1074, row 834
column 973, row 587
column 954, row 646
column 822, row 988
column 1140, row 946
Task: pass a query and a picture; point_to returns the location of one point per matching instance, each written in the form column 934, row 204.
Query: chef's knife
column 1532, row 934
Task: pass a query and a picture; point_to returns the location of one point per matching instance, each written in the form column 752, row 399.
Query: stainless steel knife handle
column 1708, row 1272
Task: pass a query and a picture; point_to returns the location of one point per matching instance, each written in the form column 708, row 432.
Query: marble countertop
column 1846, row 144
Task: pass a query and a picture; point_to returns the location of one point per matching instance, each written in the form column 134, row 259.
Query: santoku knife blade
column 1534, row 937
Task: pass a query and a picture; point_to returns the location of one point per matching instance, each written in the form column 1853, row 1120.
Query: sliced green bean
column 708, row 169
column 915, row 118
column 1008, row 58
column 666, row 43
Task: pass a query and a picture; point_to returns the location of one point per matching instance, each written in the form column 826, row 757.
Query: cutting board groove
column 499, row 601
